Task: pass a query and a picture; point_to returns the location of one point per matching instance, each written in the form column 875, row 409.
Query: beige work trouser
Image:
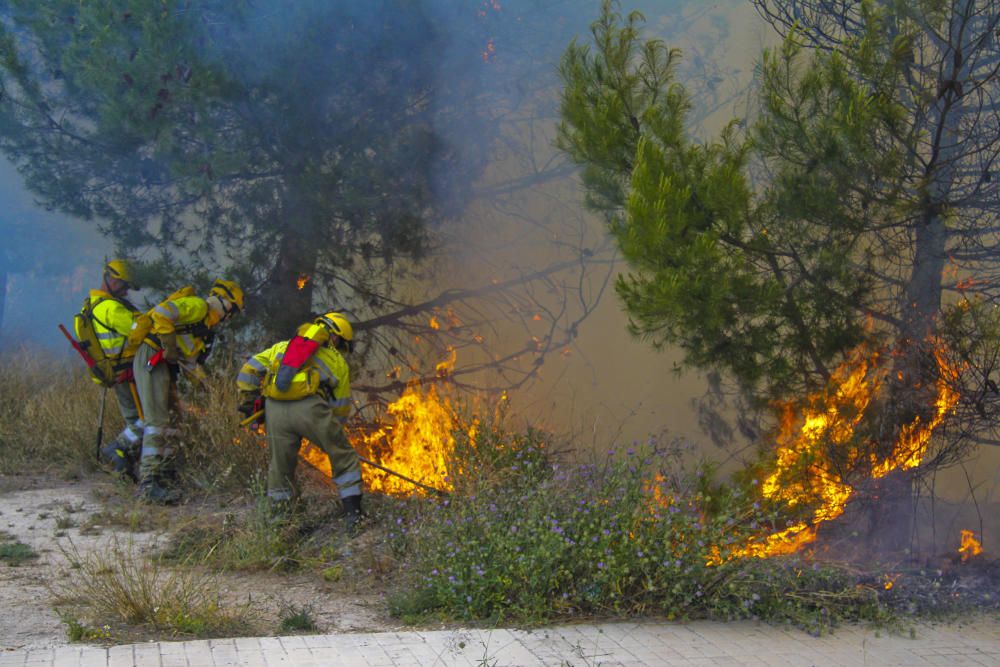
column 130, row 437
column 154, row 391
column 290, row 421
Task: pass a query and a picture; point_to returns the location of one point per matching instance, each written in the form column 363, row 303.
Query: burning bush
column 528, row 537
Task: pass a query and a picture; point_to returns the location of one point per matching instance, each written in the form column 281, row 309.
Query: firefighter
column 113, row 315
column 176, row 334
column 306, row 395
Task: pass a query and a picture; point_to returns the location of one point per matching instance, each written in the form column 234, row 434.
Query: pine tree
column 856, row 205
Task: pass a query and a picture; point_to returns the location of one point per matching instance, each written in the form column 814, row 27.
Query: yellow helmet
column 228, row 291
column 337, row 324
column 121, row 270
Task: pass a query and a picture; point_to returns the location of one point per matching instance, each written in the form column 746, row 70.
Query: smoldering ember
column 332, row 315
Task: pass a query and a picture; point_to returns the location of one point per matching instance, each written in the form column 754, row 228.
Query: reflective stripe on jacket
column 112, row 322
column 335, row 376
column 173, row 315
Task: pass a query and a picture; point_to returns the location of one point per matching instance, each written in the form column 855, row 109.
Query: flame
column 443, row 368
column 970, row 545
column 417, row 443
column 434, row 324
column 416, row 439
column 890, row 581
column 803, row 473
column 302, row 280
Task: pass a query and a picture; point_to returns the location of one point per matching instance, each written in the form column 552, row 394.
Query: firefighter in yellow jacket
column 306, row 387
column 176, row 334
column 113, row 315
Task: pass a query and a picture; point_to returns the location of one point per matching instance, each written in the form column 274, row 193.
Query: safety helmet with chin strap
column 120, row 269
column 229, row 292
column 338, row 325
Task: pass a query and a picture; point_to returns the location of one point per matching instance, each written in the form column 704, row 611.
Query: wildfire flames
column 804, row 474
column 302, row 280
column 970, row 545
column 415, row 441
column 419, row 440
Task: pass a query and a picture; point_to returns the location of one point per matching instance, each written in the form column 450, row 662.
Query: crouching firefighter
column 306, row 387
column 110, row 316
column 176, row 334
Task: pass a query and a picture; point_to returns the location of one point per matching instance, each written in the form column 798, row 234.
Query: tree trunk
column 284, row 303
column 913, row 390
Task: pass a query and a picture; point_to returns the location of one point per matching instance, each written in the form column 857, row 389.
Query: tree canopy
column 276, row 140
column 856, row 203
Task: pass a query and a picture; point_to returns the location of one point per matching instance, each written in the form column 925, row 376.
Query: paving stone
column 645, row 644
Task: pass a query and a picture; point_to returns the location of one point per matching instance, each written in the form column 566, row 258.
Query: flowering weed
column 532, row 538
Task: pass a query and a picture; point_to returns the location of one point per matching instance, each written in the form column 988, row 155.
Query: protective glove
column 171, row 353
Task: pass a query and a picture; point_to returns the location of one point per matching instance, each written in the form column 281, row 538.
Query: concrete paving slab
column 636, row 644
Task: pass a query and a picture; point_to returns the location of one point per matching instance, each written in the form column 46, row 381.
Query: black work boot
column 121, row 459
column 152, row 491
column 352, row 513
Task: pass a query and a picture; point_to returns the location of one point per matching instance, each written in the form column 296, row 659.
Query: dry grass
column 123, row 589
column 218, row 454
column 49, row 414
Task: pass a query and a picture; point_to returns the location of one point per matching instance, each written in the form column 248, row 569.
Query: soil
column 60, row 520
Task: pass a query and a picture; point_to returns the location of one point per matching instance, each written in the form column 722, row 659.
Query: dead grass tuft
column 120, row 585
column 49, row 415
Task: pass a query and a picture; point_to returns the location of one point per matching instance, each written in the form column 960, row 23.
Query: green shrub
column 296, row 619
column 16, row 553
column 531, row 538
column 80, row 632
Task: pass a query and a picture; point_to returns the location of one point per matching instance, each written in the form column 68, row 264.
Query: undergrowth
column 122, row 586
column 531, row 539
column 49, row 413
column 50, row 416
column 527, row 536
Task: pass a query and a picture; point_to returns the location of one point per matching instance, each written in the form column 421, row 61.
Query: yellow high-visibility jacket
column 334, row 374
column 113, row 320
column 181, row 315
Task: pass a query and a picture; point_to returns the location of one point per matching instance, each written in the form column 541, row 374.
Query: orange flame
column 417, row 444
column 302, row 280
column 445, row 367
column 417, row 441
column 804, row 475
column 970, row 545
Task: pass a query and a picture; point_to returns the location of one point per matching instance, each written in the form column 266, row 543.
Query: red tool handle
column 154, row 360
column 76, row 346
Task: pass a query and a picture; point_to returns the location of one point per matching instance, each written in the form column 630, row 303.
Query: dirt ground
column 57, row 518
